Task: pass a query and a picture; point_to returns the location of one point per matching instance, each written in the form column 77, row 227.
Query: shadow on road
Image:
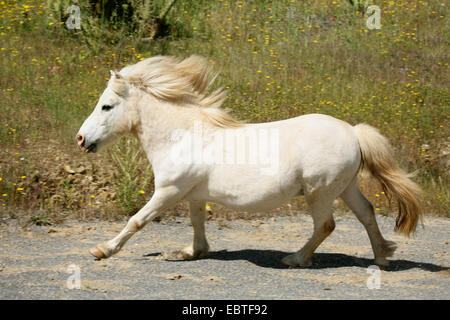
column 272, row 258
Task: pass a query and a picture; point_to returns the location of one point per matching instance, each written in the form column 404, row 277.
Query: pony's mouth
column 91, row 148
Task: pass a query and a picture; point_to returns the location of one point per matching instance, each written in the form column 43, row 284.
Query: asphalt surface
column 244, row 262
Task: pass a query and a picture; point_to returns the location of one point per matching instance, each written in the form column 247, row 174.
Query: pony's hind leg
column 200, row 246
column 363, row 210
column 322, row 214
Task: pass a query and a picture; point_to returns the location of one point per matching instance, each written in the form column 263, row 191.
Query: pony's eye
column 107, row 107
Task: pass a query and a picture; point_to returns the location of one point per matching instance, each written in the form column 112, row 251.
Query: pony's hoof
column 384, row 268
column 382, row 263
column 189, row 253
column 98, row 253
column 295, row 261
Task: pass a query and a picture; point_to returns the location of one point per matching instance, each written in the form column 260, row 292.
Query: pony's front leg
column 162, row 199
column 199, row 247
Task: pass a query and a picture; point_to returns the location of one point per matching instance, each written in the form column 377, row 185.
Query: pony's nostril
column 80, row 139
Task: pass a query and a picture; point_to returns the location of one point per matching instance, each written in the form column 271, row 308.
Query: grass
column 279, row 59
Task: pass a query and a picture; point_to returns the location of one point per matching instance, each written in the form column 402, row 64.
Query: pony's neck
column 157, row 124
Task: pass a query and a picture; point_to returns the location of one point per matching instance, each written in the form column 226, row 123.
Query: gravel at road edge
column 244, row 262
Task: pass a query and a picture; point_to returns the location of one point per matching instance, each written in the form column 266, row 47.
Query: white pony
column 164, row 102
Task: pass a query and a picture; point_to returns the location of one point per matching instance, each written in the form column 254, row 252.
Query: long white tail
column 377, row 159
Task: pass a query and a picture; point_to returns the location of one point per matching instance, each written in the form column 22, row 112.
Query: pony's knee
column 134, row 225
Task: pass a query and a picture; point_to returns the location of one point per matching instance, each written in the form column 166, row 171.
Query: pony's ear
column 118, row 84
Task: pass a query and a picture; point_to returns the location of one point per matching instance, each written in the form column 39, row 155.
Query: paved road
column 244, row 262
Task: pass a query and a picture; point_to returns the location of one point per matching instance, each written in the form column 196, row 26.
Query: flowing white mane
column 183, row 82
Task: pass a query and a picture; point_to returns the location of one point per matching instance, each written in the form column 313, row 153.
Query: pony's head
column 169, row 80
column 111, row 117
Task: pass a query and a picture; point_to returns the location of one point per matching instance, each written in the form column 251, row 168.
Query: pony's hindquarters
column 377, row 159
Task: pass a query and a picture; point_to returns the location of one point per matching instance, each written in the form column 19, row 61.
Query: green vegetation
column 279, row 59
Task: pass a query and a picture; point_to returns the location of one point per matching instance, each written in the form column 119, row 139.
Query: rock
column 175, row 276
column 257, row 223
column 81, row 170
column 68, row 169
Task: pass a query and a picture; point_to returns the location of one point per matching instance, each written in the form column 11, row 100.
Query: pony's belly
column 251, row 205
column 250, row 199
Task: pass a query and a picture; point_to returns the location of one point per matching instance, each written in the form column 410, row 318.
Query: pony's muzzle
column 81, row 140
